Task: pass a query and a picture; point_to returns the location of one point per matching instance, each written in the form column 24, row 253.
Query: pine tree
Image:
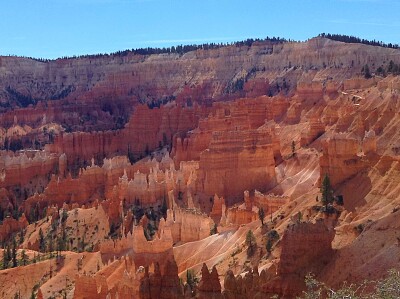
column 251, row 243
column 64, row 216
column 191, row 279
column 269, row 245
column 6, row 257
column 366, row 72
column 14, row 254
column 261, row 215
column 59, row 246
column 131, row 156
column 42, row 241
column 164, row 207
column 213, row 230
column 326, row 190
column 24, row 258
column 21, row 236
column 51, row 248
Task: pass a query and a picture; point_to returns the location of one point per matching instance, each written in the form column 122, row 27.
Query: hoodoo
column 214, row 171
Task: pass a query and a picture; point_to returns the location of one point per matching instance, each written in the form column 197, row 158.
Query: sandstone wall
column 188, row 225
column 237, row 161
column 10, row 226
column 21, row 169
column 358, row 83
column 314, row 130
column 161, row 281
column 83, row 85
column 296, row 243
column 146, row 131
column 242, row 114
column 340, row 160
column 270, row 202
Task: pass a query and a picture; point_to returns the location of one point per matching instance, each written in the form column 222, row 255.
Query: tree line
column 356, row 40
column 180, row 49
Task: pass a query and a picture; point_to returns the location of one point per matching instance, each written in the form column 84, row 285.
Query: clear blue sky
column 54, row 28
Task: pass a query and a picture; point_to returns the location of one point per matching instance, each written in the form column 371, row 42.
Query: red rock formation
column 315, row 129
column 256, row 87
column 312, row 91
column 161, row 282
column 296, row 243
column 297, row 259
column 270, row 202
column 237, row 161
column 111, row 182
column 369, row 144
column 217, row 208
column 10, row 226
column 27, row 170
column 209, row 286
column 233, row 149
column 140, row 136
column 187, row 225
column 340, row 159
column 242, row 214
column 90, row 288
column 242, row 114
column 248, row 286
column 142, row 251
column 358, row 83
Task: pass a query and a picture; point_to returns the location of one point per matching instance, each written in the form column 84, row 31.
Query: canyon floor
column 227, row 172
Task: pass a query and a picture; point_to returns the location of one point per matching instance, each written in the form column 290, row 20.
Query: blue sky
column 55, row 28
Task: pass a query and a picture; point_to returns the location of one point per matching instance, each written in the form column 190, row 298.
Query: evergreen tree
column 42, row 241
column 164, row 208
column 21, row 236
column 213, row 230
column 366, row 72
column 64, row 216
column 59, row 246
column 269, row 245
column 131, row 155
column 391, row 66
column 251, row 243
column 51, row 247
column 191, row 278
column 6, row 257
column 293, row 148
column 326, row 190
column 261, row 215
column 24, row 258
column 14, row 253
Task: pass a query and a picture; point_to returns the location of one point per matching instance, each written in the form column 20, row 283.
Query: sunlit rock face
column 146, row 173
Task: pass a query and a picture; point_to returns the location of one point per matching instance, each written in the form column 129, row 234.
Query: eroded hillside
column 198, row 175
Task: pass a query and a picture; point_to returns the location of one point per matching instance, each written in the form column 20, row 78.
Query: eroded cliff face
column 246, row 162
column 160, row 282
column 236, row 150
column 147, row 130
column 178, row 187
column 24, row 168
column 99, row 93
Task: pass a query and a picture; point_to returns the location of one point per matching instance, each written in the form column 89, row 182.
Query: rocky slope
column 113, row 198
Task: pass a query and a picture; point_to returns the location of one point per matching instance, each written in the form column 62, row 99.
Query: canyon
column 200, row 174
